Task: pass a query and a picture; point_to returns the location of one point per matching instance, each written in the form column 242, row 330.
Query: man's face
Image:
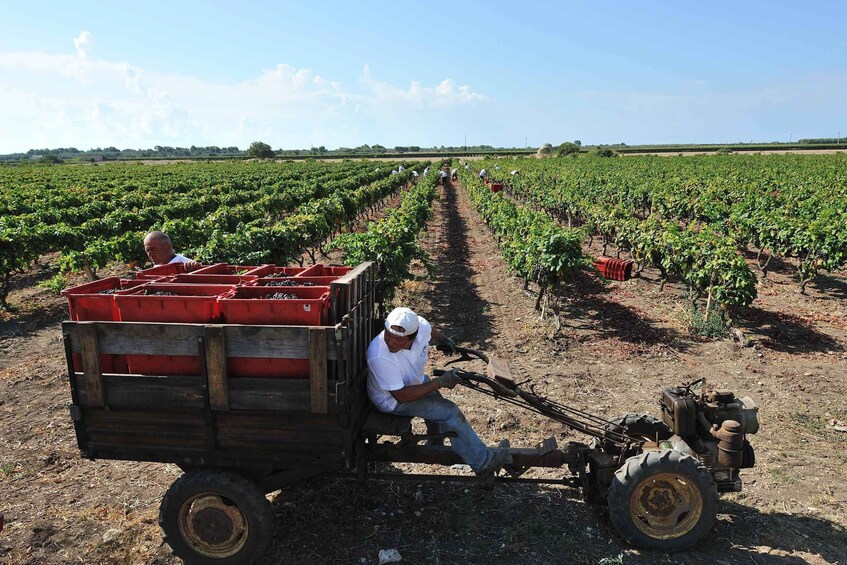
column 158, row 250
column 396, row 343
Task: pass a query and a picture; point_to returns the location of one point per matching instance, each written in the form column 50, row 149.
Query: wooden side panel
column 146, row 338
column 93, row 385
column 116, row 429
column 317, row 368
column 216, row 368
column 317, row 434
column 287, row 395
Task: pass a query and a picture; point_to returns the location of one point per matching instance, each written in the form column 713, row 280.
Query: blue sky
column 301, row 74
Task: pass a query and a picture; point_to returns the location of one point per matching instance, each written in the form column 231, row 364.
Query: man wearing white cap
column 397, row 385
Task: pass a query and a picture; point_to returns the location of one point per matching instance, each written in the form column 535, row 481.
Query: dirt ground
column 619, row 345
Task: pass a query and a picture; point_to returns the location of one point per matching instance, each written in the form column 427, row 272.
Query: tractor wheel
column 666, row 501
column 211, row 516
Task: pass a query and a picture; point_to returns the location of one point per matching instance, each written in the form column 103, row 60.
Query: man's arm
column 439, row 338
column 413, row 392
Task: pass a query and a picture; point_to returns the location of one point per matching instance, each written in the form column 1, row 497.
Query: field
column 619, row 343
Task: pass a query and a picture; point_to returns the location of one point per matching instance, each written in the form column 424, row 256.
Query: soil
column 618, row 345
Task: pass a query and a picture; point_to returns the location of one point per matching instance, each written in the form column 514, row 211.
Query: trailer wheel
column 666, row 501
column 211, row 516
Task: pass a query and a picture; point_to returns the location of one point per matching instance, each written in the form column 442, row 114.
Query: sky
column 300, row 74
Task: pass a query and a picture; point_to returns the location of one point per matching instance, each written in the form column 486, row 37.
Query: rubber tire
column 642, row 467
column 244, row 493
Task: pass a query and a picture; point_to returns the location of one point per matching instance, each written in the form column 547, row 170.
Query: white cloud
column 79, row 100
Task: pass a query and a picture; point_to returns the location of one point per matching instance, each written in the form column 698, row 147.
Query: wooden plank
column 147, row 338
column 216, row 368
column 358, row 270
column 151, row 392
column 289, row 395
column 275, row 342
column 317, row 370
column 142, row 338
column 91, row 365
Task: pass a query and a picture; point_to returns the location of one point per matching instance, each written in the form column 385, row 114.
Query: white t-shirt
column 179, row 259
column 392, row 371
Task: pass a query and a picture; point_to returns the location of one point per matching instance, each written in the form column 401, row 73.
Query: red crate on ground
column 194, row 278
column 227, row 269
column 253, row 305
column 160, row 271
column 319, row 270
column 614, row 269
column 496, row 187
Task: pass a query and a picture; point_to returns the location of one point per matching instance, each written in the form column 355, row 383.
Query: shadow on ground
column 334, row 520
column 457, row 307
column 784, row 332
column 586, row 307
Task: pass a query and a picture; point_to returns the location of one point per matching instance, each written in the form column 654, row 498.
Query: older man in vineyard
column 397, row 385
column 159, row 249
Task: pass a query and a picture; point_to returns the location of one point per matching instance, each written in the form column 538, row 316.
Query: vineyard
column 756, row 242
column 694, row 219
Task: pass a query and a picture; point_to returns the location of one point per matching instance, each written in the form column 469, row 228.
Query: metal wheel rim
column 213, row 525
column 666, row 506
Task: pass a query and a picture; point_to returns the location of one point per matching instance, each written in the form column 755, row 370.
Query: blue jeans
column 441, row 416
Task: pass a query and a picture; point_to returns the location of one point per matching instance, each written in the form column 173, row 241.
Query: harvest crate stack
column 208, row 359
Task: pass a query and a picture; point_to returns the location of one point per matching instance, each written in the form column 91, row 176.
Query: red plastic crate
column 317, row 281
column 87, row 304
column 320, row 270
column 194, row 278
column 287, row 271
column 250, row 305
column 227, row 269
column 193, row 303
column 496, row 187
column 160, row 271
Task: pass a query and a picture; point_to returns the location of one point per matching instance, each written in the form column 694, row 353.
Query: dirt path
column 619, row 345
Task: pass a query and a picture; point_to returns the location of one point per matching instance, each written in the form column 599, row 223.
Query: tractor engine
column 712, row 427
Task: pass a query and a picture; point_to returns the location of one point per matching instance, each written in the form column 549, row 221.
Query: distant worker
column 401, row 168
column 415, row 174
column 483, row 173
column 444, row 176
column 454, row 174
column 426, row 171
column 159, row 249
column 467, row 167
column 513, row 173
column 394, row 172
column 496, row 167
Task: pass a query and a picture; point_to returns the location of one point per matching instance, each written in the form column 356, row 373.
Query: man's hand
column 448, row 379
column 192, row 266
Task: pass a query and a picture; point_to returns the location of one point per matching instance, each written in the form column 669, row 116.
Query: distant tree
column 567, row 148
column 260, row 150
column 603, row 152
column 50, row 160
column 577, row 142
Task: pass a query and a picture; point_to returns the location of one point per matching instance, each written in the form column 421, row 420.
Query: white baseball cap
column 404, row 318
